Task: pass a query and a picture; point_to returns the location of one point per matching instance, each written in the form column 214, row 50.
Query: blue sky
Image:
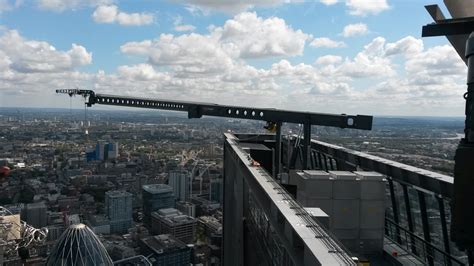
column 273, row 53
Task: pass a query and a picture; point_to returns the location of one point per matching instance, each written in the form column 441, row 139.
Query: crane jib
column 198, row 109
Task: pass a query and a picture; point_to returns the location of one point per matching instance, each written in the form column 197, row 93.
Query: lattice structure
column 16, row 234
column 78, row 245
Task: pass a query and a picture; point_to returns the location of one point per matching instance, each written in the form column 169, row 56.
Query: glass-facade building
column 155, row 197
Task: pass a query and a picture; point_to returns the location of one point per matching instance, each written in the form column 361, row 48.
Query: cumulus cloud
column 385, row 77
column 328, row 60
column 36, row 56
column 62, row 5
column 254, row 36
column 366, row 7
column 326, row 42
column 357, row 29
column 111, row 14
column 244, row 36
column 406, row 46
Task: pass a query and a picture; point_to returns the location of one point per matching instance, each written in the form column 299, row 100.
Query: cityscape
column 148, row 182
column 237, row 132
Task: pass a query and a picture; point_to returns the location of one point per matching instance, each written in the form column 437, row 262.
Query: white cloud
column 36, row 56
column 329, row 2
column 329, row 60
column 244, row 36
column 370, row 62
column 179, row 26
column 326, row 42
column 185, row 27
column 357, row 29
column 257, row 37
column 407, row 46
column 396, row 77
column 366, row 7
column 62, row 5
column 191, row 53
column 111, row 14
column 8, row 5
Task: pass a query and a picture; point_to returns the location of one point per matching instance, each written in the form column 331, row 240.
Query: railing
column 417, row 246
column 418, row 200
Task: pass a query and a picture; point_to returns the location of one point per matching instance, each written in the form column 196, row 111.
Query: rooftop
column 162, row 243
column 173, row 216
column 118, row 194
column 157, row 188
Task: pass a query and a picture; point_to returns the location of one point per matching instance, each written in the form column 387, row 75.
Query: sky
column 329, row 56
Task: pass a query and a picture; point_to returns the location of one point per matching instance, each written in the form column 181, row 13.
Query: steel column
column 444, row 227
column 277, row 163
column 306, row 145
column 409, row 216
column 426, row 226
column 394, row 208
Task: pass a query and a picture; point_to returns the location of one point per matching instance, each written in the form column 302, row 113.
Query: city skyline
column 329, row 56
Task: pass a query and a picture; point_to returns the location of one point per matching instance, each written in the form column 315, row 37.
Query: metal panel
column 345, row 214
column 372, row 185
column 372, row 214
column 346, row 185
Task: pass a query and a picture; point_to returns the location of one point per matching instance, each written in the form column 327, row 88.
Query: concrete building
column 187, row 208
column 155, row 197
column 165, row 250
column 179, row 181
column 118, row 208
column 173, row 222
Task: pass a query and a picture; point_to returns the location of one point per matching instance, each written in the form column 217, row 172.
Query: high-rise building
column 165, row 250
column 103, row 151
column 99, row 151
column 155, row 197
column 111, row 151
column 35, row 214
column 179, row 181
column 216, row 190
column 78, row 245
column 186, row 207
column 173, row 222
column 118, row 208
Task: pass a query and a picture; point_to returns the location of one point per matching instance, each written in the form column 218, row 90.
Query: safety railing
column 418, row 208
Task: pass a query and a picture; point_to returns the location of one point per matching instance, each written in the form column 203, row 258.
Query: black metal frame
column 424, row 182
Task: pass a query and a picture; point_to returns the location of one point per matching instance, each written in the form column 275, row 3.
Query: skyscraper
column 179, row 181
column 78, row 245
column 35, row 214
column 118, row 207
column 155, row 197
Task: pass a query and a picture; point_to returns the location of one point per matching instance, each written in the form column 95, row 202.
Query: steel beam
column 444, row 228
column 198, row 110
column 277, row 163
column 409, row 217
column 395, row 211
column 426, row 227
